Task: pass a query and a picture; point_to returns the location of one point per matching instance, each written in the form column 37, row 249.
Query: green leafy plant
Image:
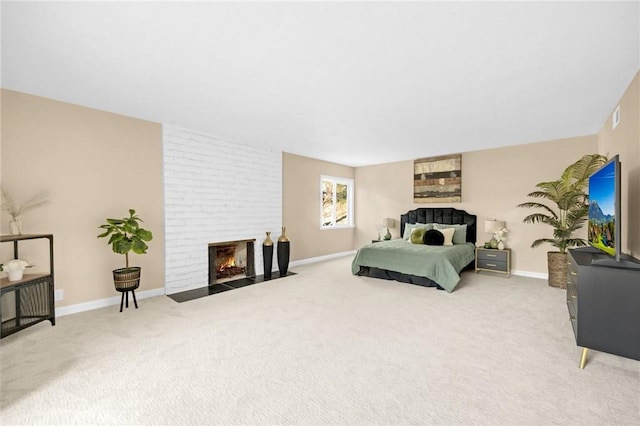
column 126, row 235
column 566, row 206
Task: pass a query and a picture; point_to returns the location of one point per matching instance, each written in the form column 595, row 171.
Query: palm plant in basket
column 126, row 235
column 564, row 206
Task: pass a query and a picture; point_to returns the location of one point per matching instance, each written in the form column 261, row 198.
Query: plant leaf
column 583, row 168
column 139, row 246
column 122, row 246
column 537, row 217
column 570, row 199
column 535, row 205
column 115, row 237
column 144, row 235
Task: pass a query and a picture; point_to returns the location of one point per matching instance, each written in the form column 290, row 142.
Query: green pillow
column 409, row 227
column 417, row 236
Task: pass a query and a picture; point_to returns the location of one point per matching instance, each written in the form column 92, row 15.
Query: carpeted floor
column 321, row 347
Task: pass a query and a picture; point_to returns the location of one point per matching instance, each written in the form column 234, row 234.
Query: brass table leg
column 583, row 359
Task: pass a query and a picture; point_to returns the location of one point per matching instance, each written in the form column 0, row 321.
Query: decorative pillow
column 460, row 234
column 433, row 237
column 417, row 236
column 448, row 236
column 426, row 226
column 408, row 227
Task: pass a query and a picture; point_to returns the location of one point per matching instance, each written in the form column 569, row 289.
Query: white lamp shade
column 491, row 226
column 388, row 222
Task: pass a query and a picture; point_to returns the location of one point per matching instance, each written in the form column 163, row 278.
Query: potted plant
column 126, row 235
column 14, row 269
column 565, row 210
column 500, row 236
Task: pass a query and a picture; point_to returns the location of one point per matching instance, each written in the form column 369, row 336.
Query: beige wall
column 625, row 141
column 94, row 165
column 494, row 181
column 301, row 207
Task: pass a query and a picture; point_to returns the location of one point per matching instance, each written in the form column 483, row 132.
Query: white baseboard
column 322, row 258
column 540, row 275
column 101, row 303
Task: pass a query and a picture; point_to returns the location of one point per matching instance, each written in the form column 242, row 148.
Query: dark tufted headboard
column 444, row 215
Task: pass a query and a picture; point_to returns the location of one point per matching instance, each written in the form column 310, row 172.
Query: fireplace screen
column 231, row 260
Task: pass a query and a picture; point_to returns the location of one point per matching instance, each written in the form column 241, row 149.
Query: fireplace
column 231, row 260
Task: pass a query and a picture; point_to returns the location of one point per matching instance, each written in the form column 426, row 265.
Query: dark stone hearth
column 220, row 288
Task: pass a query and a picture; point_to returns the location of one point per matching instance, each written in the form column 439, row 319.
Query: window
column 336, row 202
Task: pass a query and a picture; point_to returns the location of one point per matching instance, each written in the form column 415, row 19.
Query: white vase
column 15, row 275
column 500, row 245
column 15, row 226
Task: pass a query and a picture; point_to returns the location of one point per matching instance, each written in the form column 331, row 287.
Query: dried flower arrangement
column 15, row 210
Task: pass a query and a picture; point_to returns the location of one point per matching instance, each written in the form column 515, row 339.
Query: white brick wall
column 215, row 190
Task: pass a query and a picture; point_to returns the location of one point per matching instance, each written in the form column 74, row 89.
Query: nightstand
column 493, row 260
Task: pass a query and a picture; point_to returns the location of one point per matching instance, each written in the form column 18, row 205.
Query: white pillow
column 408, row 229
column 448, row 236
column 460, row 236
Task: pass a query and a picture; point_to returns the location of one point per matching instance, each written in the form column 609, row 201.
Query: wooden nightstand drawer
column 492, row 255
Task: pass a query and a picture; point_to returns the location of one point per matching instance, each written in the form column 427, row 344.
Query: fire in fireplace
column 231, row 260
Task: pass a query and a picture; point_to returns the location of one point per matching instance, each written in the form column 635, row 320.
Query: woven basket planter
column 126, row 279
column 558, row 270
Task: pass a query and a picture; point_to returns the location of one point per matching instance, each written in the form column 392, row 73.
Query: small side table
column 493, row 260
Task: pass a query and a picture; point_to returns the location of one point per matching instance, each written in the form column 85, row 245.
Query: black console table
column 604, row 303
column 33, row 294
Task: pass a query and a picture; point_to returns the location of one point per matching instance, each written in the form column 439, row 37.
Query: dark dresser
column 604, row 304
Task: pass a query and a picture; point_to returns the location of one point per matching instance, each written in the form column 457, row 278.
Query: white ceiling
column 353, row 83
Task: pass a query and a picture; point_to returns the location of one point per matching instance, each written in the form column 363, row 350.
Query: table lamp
column 388, row 222
column 490, row 227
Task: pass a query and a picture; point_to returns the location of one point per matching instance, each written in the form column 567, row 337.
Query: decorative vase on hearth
column 267, row 255
column 284, row 248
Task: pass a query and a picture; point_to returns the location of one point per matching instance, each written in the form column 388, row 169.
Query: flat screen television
column 604, row 209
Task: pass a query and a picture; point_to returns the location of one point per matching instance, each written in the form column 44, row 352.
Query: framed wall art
column 438, row 179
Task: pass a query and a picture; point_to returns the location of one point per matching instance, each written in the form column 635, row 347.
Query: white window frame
column 350, row 188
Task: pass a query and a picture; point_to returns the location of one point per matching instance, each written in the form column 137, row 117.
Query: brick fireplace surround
column 212, row 188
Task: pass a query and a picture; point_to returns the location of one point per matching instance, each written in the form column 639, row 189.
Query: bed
column 429, row 266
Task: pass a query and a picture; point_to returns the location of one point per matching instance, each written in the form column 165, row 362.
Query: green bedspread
column 441, row 264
